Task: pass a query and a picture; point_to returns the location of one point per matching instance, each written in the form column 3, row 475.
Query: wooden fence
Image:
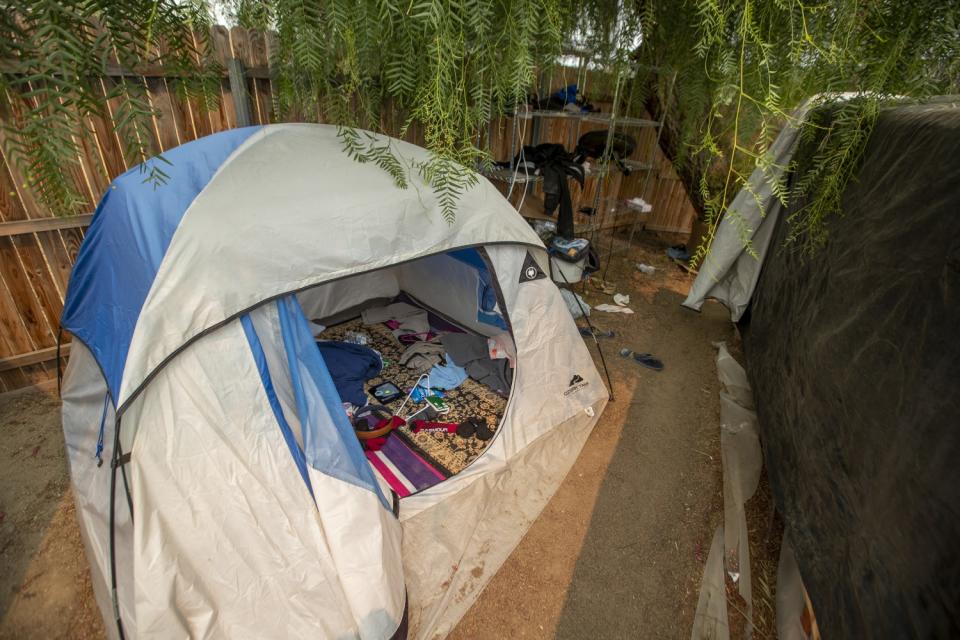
column 38, row 247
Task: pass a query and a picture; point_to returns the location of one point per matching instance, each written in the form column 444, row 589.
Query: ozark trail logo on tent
column 576, row 383
column 530, row 270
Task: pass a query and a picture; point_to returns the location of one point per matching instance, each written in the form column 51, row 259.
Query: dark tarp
column 854, row 357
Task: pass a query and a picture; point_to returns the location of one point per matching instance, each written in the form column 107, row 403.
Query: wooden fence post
column 238, row 87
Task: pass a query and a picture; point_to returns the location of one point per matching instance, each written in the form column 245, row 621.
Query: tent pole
column 593, row 333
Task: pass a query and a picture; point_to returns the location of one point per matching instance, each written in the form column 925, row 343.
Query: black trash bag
column 593, row 144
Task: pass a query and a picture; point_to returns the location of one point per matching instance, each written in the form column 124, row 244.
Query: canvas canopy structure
column 220, row 489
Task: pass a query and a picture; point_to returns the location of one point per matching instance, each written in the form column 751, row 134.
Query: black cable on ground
column 603, row 360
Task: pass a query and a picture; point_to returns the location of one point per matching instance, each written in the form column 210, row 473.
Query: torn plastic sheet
column 710, row 620
column 729, row 272
column 733, row 377
column 742, row 462
column 790, row 596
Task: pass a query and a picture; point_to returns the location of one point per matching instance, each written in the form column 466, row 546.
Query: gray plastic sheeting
column 729, row 273
column 710, row 620
column 742, row 462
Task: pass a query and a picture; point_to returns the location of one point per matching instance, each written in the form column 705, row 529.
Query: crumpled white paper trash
column 613, row 308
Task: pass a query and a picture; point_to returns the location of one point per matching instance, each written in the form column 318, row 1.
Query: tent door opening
column 437, row 325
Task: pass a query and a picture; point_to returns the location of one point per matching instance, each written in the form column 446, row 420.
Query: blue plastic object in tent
column 486, row 293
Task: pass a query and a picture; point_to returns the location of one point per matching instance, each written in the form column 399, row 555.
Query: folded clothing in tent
column 473, row 353
column 350, row 365
column 422, row 355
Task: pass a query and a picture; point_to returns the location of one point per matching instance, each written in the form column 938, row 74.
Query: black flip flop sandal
column 643, row 359
column 483, row 432
column 587, row 332
column 467, row 428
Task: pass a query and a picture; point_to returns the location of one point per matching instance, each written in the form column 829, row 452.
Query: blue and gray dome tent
column 220, row 487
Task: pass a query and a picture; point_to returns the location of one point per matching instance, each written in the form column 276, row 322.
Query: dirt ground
column 617, row 553
column 619, row 550
column 44, row 582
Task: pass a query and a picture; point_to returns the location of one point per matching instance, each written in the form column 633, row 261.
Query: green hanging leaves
column 363, row 147
column 746, row 64
column 447, row 67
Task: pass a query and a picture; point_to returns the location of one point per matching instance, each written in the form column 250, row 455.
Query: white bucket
column 562, row 271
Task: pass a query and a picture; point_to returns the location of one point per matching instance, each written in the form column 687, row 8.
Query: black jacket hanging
column 556, row 165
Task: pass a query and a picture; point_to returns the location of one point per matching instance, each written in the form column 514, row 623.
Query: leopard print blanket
column 448, row 452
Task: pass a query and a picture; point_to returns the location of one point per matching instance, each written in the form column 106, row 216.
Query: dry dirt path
column 619, row 550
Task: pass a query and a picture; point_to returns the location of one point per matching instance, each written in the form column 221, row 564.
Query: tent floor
column 440, row 455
